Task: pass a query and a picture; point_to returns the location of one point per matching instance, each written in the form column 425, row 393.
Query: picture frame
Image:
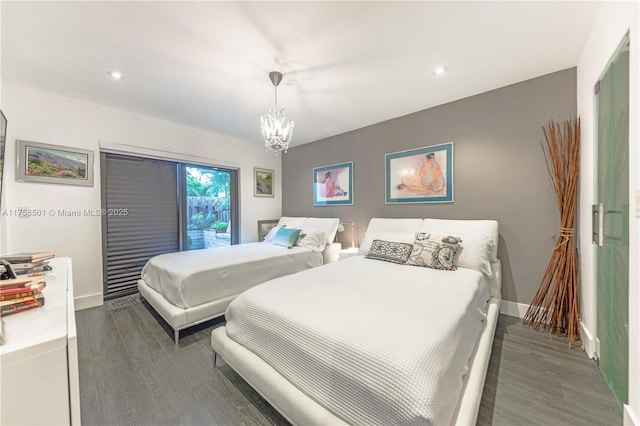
column 47, row 163
column 333, row 184
column 263, row 182
column 3, row 135
column 421, row 175
column 264, row 226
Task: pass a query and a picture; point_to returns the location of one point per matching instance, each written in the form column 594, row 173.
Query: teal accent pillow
column 286, row 237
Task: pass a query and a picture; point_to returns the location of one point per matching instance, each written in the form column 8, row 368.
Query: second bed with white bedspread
column 191, row 278
column 389, row 345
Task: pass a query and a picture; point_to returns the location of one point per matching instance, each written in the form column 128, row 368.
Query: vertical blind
column 140, row 217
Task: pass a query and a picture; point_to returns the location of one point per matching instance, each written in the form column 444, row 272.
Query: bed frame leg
column 176, row 336
column 215, row 359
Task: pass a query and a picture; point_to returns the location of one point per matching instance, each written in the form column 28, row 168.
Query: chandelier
column 276, row 127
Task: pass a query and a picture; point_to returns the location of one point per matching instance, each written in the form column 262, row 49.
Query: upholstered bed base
column 181, row 318
column 299, row 409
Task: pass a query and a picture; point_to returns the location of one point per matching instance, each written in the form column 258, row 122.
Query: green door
column 611, row 216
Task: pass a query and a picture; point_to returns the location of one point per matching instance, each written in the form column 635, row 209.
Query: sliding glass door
column 208, row 206
column 155, row 206
column 139, row 198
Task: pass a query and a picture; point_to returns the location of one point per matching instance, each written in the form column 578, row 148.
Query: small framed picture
column 422, row 175
column 264, row 226
column 45, row 163
column 333, row 185
column 262, row 182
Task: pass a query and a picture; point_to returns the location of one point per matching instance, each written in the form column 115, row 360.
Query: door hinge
column 596, row 88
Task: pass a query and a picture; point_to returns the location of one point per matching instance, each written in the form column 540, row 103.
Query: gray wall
column 499, row 170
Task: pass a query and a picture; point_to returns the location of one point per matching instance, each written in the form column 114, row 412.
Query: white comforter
column 373, row 342
column 191, row 278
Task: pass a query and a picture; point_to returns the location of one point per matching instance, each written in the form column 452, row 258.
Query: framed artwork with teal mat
column 421, row 175
column 333, row 184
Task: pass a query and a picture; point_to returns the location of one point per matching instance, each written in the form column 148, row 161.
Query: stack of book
column 29, row 264
column 21, row 294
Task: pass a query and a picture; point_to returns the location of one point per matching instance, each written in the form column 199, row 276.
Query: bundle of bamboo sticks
column 555, row 305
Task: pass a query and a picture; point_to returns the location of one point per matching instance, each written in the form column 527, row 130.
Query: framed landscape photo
column 422, row 175
column 333, row 185
column 45, row 163
column 264, row 226
column 262, row 182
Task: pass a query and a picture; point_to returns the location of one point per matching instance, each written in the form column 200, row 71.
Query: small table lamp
column 353, row 232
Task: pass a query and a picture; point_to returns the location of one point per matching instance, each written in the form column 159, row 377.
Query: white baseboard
column 588, row 342
column 89, row 301
column 513, row 309
column 629, row 417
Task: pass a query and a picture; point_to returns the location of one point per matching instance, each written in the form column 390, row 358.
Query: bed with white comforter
column 191, row 278
column 189, row 287
column 369, row 342
column 388, row 346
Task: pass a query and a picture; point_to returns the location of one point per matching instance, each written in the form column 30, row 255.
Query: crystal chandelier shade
column 277, row 128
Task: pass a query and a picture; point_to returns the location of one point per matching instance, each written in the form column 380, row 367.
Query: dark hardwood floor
column 132, row 373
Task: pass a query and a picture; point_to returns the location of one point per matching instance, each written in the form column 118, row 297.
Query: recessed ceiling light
column 116, row 75
column 440, row 70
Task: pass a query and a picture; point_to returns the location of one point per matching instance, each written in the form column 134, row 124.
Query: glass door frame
column 234, row 204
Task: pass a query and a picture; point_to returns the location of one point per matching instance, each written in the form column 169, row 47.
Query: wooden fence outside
column 211, row 209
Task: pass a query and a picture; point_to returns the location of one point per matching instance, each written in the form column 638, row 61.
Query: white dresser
column 39, row 361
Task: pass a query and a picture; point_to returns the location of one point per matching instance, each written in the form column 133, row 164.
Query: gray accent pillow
column 389, row 251
column 434, row 251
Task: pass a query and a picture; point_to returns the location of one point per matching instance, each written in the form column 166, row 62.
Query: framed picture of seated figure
column 333, row 185
column 421, row 175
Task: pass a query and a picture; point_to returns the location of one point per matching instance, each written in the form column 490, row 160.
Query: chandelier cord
column 275, row 89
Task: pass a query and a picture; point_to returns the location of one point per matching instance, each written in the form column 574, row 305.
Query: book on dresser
column 21, row 282
column 11, row 293
column 23, row 304
column 29, row 257
column 30, row 272
column 21, row 294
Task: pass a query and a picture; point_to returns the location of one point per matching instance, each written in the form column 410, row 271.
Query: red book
column 34, row 297
column 21, row 306
column 12, row 293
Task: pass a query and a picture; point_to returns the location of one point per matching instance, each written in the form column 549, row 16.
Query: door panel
column 209, row 207
column 612, row 256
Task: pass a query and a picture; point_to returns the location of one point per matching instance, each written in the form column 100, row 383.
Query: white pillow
column 272, row 233
column 397, row 237
column 291, row 222
column 315, row 241
column 382, row 224
column 320, row 224
column 479, row 245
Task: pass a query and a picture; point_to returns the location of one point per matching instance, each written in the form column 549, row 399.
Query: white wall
column 45, row 117
column 613, row 21
column 3, row 234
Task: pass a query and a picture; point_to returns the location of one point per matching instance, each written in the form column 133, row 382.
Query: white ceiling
column 346, row 65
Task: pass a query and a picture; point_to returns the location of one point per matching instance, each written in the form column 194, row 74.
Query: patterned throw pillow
column 434, row 251
column 389, row 251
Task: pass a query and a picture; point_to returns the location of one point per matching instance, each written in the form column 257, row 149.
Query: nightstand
column 348, row 252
